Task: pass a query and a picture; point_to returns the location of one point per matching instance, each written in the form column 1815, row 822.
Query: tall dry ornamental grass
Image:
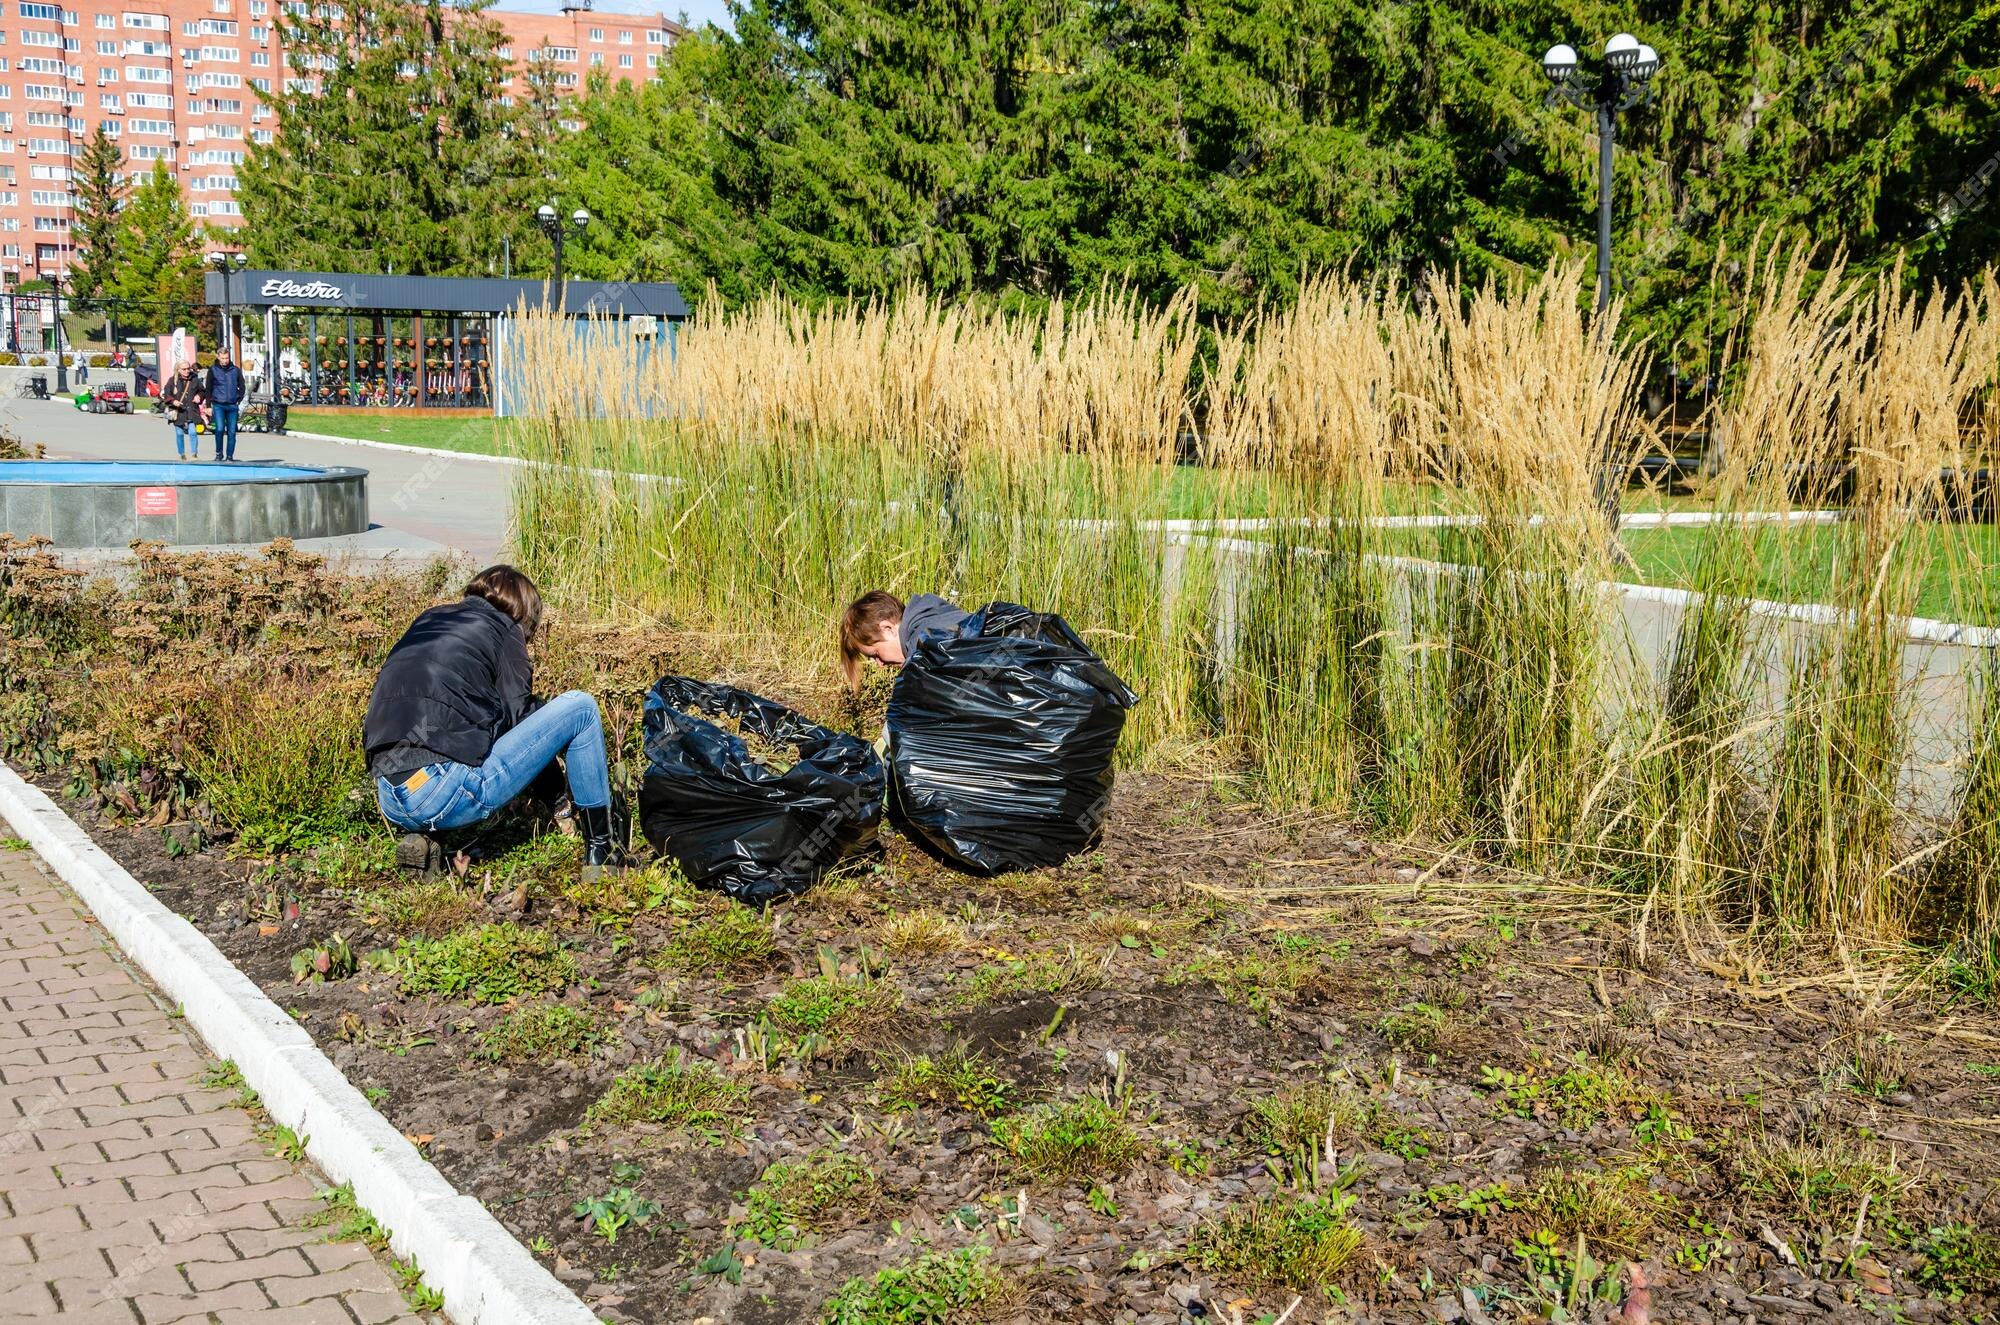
column 1227, row 514
column 1780, row 441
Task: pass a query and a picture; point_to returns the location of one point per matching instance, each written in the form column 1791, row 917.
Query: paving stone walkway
column 128, row 1191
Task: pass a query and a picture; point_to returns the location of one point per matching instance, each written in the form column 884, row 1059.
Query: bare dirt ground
column 1498, row 1074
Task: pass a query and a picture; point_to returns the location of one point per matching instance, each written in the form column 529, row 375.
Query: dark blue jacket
column 225, row 384
column 925, row 615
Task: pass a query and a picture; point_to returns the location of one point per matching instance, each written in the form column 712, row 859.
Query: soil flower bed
column 1231, row 1059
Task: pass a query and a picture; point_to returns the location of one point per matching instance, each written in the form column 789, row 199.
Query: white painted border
column 487, row 1277
column 401, row 446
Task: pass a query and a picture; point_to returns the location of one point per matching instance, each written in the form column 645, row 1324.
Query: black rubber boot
column 601, row 854
column 421, row 855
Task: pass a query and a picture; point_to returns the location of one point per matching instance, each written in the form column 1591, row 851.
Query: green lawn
column 1964, row 565
column 478, row 434
column 1961, row 578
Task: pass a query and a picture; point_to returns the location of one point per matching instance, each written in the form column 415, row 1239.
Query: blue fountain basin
column 111, row 503
column 147, row 471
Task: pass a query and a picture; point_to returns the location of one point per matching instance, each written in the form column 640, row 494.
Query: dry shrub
column 278, row 762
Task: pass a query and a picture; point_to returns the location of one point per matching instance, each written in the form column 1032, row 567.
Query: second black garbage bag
column 735, row 822
column 1001, row 738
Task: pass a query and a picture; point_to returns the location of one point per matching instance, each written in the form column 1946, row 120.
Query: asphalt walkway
column 130, row 1192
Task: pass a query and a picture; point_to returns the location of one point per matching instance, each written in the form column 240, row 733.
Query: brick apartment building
column 177, row 80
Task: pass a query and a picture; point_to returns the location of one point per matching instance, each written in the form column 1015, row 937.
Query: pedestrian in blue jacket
column 225, row 399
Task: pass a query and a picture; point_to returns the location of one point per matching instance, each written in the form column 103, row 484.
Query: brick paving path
column 128, row 1191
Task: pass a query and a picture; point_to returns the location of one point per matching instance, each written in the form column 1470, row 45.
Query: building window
column 597, row 34
column 565, row 54
column 597, row 59
column 218, row 27
column 104, row 20
column 36, row 37
column 656, row 37
column 625, row 60
column 143, row 74
column 150, row 22
column 41, row 11
column 625, row 36
column 260, row 59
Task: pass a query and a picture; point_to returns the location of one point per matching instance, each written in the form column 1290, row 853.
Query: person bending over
column 453, row 732
column 881, row 626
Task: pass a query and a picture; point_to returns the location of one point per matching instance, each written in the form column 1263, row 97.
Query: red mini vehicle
column 111, row 398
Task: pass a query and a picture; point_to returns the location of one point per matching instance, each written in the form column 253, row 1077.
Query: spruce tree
column 95, row 223
column 401, row 157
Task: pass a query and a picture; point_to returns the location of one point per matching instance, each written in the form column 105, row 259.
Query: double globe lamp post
column 554, row 226
column 1622, row 80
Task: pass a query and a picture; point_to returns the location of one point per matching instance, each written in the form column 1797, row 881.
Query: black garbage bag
column 1000, row 740
column 733, row 824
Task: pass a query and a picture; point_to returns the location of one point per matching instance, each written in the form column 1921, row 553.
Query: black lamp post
column 222, row 262
column 557, row 230
column 1623, row 80
column 62, row 366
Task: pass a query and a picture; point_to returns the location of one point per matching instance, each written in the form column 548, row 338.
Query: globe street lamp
column 1622, row 79
column 221, row 262
column 557, row 230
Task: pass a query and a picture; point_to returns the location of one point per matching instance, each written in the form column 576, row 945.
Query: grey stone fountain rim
column 207, row 472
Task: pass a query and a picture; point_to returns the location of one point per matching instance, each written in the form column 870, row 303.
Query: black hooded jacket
column 456, row 682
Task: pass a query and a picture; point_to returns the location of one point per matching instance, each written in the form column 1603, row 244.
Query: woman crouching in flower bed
column 454, row 732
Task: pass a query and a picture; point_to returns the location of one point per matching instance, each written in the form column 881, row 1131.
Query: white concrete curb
column 487, row 1278
column 472, row 455
column 399, row 446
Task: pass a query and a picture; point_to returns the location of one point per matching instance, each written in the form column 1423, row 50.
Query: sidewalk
column 128, row 1191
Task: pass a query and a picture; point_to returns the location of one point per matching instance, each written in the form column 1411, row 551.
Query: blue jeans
column 225, row 431
column 451, row 795
column 186, row 442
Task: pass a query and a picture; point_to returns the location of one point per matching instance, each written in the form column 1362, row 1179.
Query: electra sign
column 279, row 288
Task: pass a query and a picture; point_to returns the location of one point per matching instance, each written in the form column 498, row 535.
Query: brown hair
column 861, row 624
column 511, row 592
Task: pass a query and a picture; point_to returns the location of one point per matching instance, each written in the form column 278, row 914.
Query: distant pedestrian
column 181, row 402
column 224, row 389
column 82, row 365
